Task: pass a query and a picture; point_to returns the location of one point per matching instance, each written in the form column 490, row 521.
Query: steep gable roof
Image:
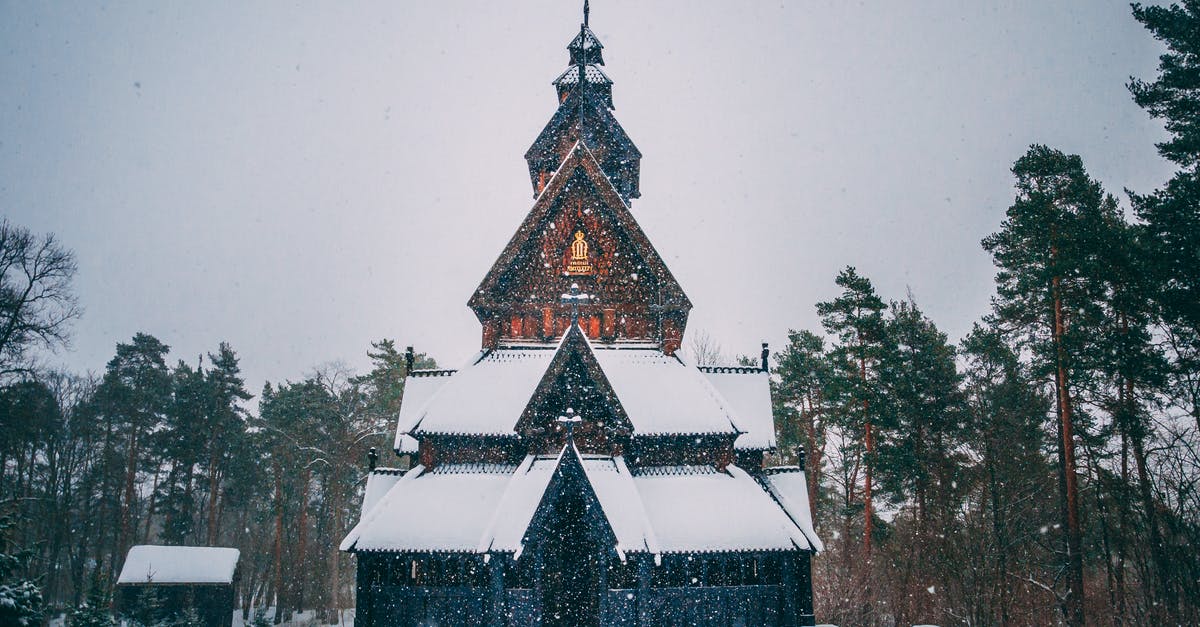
column 596, row 113
column 581, row 160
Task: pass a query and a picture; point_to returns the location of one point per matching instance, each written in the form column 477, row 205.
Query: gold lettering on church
column 578, row 264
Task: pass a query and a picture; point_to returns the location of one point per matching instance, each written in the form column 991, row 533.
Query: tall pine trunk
column 214, row 488
column 130, row 494
column 301, row 546
column 1074, row 600
column 869, row 442
column 277, row 574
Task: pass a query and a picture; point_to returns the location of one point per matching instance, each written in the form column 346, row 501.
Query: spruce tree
column 20, row 598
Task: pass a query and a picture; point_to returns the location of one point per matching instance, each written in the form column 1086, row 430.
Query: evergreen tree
column 1006, row 415
column 919, row 454
column 1171, row 215
column 855, row 317
column 802, row 405
column 134, row 397
column 20, row 598
column 224, row 428
column 93, row 612
column 1048, row 298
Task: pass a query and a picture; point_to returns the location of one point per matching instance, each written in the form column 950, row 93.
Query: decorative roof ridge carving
column 474, row 468
column 432, row 372
column 731, row 369
column 675, row 470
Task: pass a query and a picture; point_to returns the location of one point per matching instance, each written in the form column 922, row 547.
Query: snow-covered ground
column 302, row 619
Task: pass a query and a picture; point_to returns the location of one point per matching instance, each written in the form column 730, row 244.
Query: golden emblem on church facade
column 577, row 263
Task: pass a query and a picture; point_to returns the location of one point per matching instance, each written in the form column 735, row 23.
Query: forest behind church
column 1043, row 469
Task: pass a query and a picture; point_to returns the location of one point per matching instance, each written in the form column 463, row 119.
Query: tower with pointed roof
column 577, row 471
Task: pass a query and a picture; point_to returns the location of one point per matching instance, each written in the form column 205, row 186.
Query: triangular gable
column 574, row 351
column 570, row 479
column 579, row 159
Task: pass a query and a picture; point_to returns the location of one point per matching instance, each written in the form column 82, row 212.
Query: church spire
column 585, row 114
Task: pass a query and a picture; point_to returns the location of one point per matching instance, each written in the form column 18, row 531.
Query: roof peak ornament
column 569, row 421
column 585, row 13
column 574, row 298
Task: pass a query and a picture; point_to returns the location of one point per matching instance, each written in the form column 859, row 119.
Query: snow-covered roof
column 622, row 505
column 748, row 392
column 378, row 483
column 700, row 509
column 407, row 444
column 506, row 529
column 661, row 395
column 488, row 508
column 443, row 510
column 587, row 38
column 147, row 563
column 790, row 487
column 592, row 72
column 417, row 392
column 486, row 397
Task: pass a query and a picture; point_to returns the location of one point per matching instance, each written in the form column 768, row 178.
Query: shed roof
column 148, row 564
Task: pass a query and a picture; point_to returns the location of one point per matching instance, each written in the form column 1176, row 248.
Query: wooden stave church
column 577, row 471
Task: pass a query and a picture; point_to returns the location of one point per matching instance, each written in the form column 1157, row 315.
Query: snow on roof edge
column 161, row 564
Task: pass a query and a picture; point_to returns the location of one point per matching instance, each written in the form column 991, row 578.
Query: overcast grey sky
column 301, row 179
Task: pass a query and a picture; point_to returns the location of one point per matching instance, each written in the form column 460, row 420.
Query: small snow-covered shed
column 164, row 582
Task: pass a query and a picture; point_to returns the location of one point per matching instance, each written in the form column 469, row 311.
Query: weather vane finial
column 585, row 12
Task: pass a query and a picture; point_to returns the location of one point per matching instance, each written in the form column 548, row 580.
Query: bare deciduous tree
column 37, row 302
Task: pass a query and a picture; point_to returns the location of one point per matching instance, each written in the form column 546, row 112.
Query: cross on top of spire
column 585, row 48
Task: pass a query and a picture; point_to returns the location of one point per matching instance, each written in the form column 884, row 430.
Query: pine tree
column 1171, row 215
column 1006, row 413
column 802, row 402
column 1048, row 298
column 855, row 317
column 134, row 396
column 922, row 414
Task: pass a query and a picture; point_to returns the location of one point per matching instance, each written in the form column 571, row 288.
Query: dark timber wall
column 700, row 589
column 154, row 603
